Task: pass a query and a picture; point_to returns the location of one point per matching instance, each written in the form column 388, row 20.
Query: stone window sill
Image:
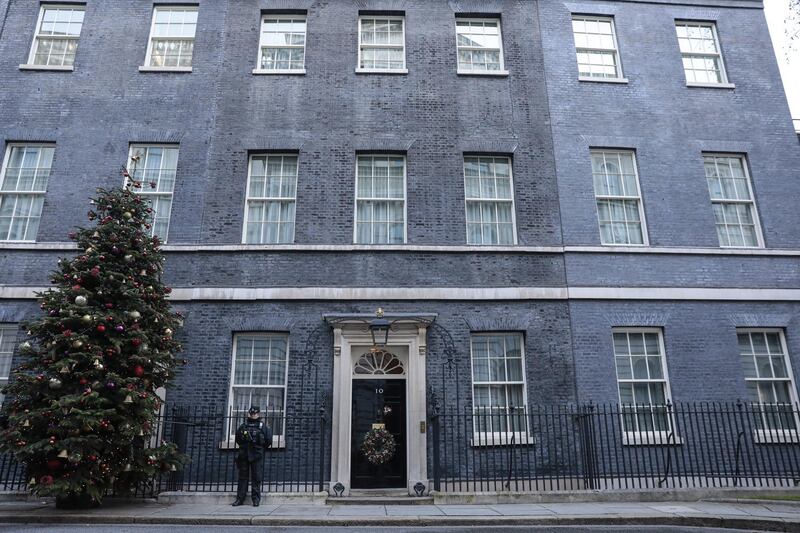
column 55, row 68
column 294, row 72
column 381, row 71
column 489, row 73
column 711, row 85
column 603, row 80
column 165, row 69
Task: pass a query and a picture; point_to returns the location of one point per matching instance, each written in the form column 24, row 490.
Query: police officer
column 253, row 437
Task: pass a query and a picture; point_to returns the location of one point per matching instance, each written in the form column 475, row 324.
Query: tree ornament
column 128, row 258
column 86, row 319
column 97, row 364
column 26, row 423
column 64, row 370
column 136, row 315
column 120, row 328
column 138, row 371
column 128, row 399
column 127, row 215
column 62, row 454
column 54, row 383
column 168, row 332
column 54, row 464
column 101, row 328
column 111, row 385
column 77, row 343
column 25, row 346
column 81, row 300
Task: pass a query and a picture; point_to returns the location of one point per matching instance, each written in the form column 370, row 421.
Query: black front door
column 378, row 401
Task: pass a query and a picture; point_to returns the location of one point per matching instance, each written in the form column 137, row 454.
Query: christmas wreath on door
column 378, row 446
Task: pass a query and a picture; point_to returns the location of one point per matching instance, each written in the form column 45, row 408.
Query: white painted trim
column 388, row 18
column 413, row 338
column 261, row 44
column 295, row 72
column 165, row 69
column 27, row 66
column 147, row 67
column 682, row 293
column 498, row 21
column 603, row 80
column 356, row 199
column 494, row 200
column 484, row 73
column 710, row 85
column 483, row 249
column 12, row 292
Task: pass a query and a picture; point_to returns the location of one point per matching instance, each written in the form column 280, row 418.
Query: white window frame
column 643, row 221
column 500, row 438
column 770, row 436
column 512, row 201
column 654, row 438
column 36, row 35
column 261, row 46
column 502, row 71
column 620, row 77
column 145, row 191
column 149, row 55
column 752, row 201
column 278, row 441
column 11, row 330
column 404, row 69
column 249, row 199
column 373, row 199
column 3, row 171
column 724, row 82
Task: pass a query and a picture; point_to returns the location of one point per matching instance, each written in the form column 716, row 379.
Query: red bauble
column 109, row 305
column 92, row 457
column 46, row 480
column 54, row 464
column 101, row 328
column 76, row 287
column 136, row 342
column 138, row 371
column 83, row 381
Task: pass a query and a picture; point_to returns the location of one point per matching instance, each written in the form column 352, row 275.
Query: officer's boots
column 256, row 502
column 237, row 502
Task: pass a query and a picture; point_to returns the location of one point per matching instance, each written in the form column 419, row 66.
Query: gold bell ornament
column 63, row 454
column 128, row 399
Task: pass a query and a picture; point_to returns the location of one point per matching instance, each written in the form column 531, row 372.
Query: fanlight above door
column 379, row 363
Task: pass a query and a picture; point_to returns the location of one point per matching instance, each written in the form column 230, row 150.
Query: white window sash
column 278, row 441
column 16, row 193
column 402, row 200
column 39, row 35
column 145, row 192
column 152, row 38
column 249, row 200
column 717, row 55
column 751, row 201
column 363, row 46
column 495, row 438
column 262, row 47
column 510, row 201
column 614, row 49
column 478, row 48
column 645, row 437
column 637, row 198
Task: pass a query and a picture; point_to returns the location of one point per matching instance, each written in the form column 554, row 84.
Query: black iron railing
column 297, row 462
column 603, row 447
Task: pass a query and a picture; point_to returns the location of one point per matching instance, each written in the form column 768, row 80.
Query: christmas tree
column 82, row 407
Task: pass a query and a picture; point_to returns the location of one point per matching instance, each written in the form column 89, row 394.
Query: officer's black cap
column 254, row 410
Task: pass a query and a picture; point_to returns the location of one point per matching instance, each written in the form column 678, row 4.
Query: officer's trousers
column 250, row 471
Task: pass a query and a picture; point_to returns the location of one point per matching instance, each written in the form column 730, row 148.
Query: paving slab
column 358, row 510
column 301, row 510
column 467, row 510
column 414, row 510
column 522, row 509
column 673, row 509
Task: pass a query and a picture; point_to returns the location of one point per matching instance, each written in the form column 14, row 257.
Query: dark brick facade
column 540, row 115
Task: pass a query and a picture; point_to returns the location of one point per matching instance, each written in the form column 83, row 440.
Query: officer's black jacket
column 253, row 437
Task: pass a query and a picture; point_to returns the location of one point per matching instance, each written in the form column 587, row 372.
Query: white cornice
column 455, row 293
column 429, row 248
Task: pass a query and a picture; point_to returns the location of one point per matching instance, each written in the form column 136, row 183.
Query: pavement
column 750, row 515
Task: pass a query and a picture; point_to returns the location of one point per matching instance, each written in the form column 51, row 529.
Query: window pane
column 595, row 47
